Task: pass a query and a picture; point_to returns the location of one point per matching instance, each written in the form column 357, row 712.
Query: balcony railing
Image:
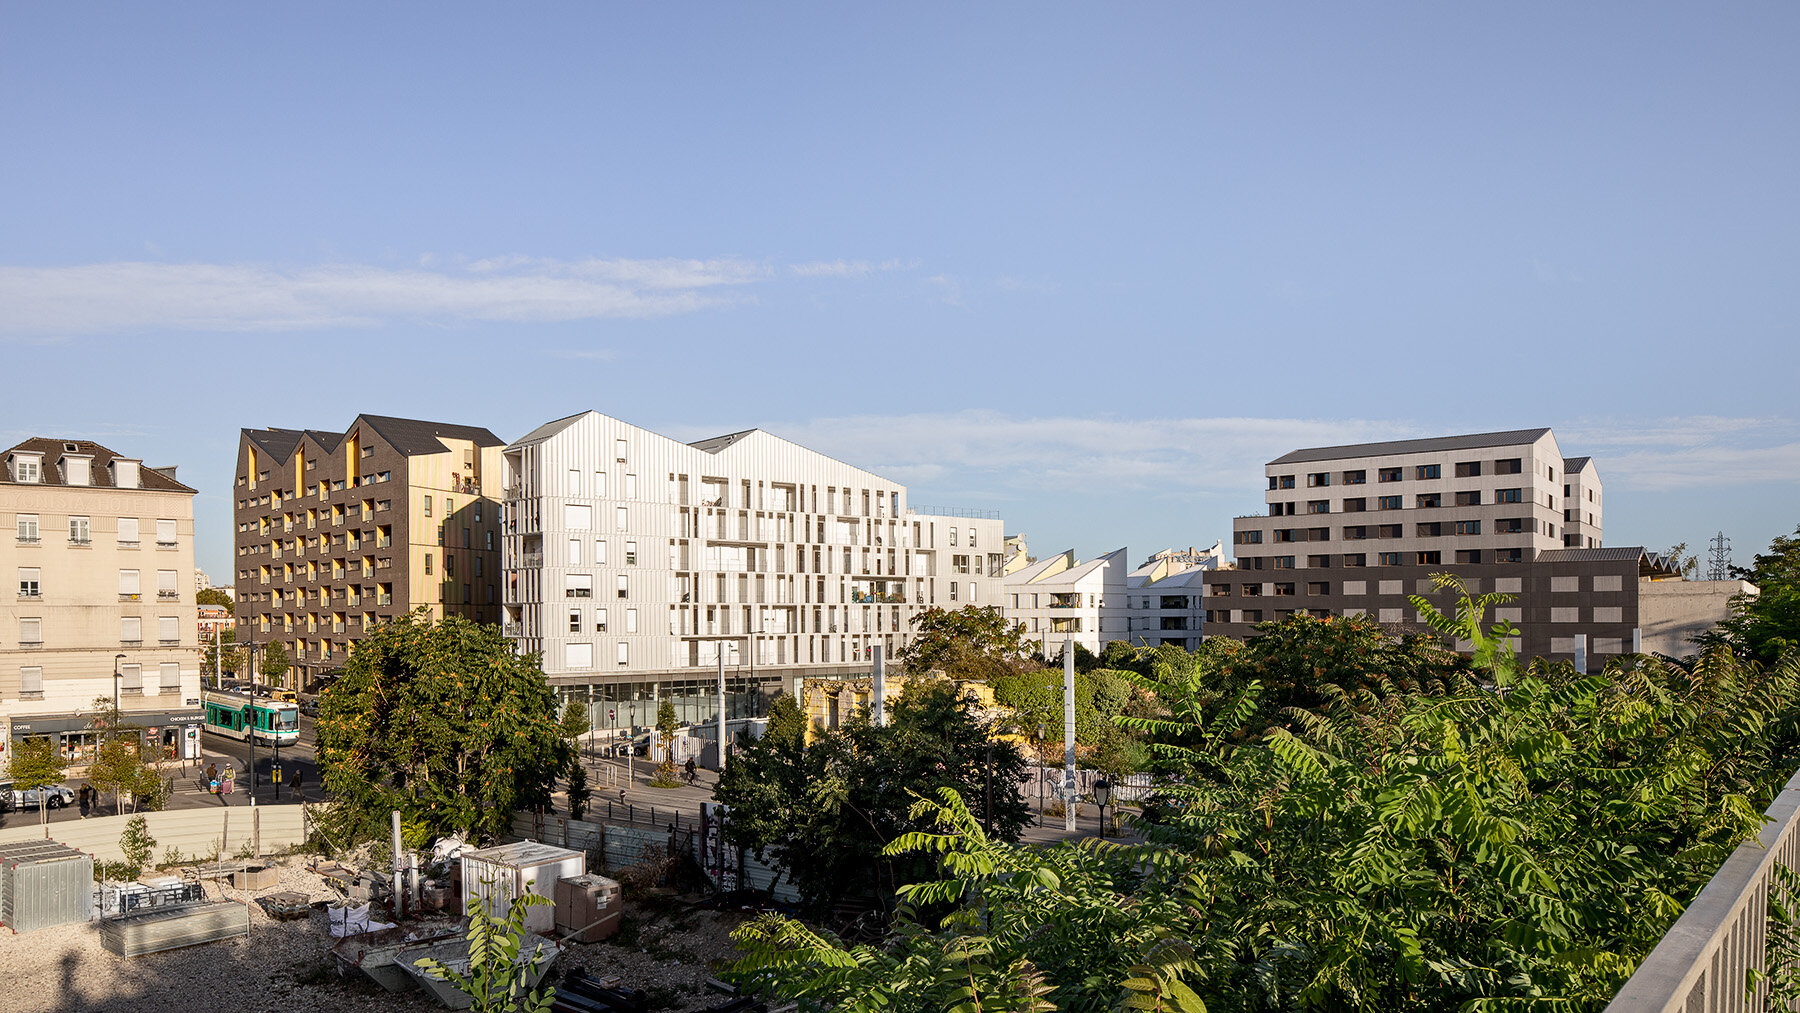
column 1703, row 961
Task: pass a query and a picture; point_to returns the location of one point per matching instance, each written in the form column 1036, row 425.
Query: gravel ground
column 284, row 966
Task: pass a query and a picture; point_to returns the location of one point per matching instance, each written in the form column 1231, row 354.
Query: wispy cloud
column 138, row 296
column 1688, row 452
column 848, row 268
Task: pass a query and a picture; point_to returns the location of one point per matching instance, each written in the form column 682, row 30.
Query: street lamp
column 1102, row 795
column 116, row 659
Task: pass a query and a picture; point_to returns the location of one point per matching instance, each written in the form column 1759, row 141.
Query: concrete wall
column 196, row 832
column 1670, row 612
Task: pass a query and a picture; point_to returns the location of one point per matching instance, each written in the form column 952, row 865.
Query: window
column 573, row 557
column 428, row 506
column 1355, row 559
column 1355, row 506
column 1284, row 590
column 574, row 620
column 1284, row 562
column 27, row 527
column 128, row 531
column 1509, row 496
column 1509, row 555
column 631, row 620
column 428, row 564
column 599, row 620
column 624, row 519
column 78, row 531
column 1468, row 469
column 630, row 553
column 449, row 565
column 1388, row 559
column 624, row 653
column 28, row 582
column 1431, row 558
column 128, row 584
column 574, row 487
column 1252, row 590
column 1424, row 471
column 31, row 681
column 600, row 552
column 27, row 469
column 1387, row 531
column 578, row 655
column 1253, row 615
column 1281, row 509
column 168, row 629
column 1468, row 527
column 1388, row 474
column 1320, row 587
column 1510, row 526
column 131, row 678
column 1468, row 555
column 131, row 629
column 952, row 536
column 166, row 588
column 1431, row 500
column 1357, row 533
column 1510, row 466
column 1319, row 562
column 619, row 454
column 1317, row 479
column 1248, row 538
column 972, row 538
column 1431, row 530
column 1318, row 506
column 165, row 531
column 624, row 586
column 1287, row 481
column 578, row 516
column 1355, row 477
column 630, row 486
column 1470, row 497
column 1388, row 503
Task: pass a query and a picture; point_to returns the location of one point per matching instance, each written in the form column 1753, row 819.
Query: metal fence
column 1704, row 963
column 617, row 845
column 201, row 833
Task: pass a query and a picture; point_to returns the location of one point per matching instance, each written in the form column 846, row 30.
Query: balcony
column 28, row 539
column 80, row 541
column 512, row 629
column 168, row 595
column 530, row 560
column 128, row 543
column 166, row 545
column 578, row 592
column 123, row 596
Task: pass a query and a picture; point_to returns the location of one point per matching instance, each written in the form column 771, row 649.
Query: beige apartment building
column 102, row 556
column 338, row 531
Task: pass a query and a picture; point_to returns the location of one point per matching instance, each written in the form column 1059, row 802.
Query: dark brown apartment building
column 336, row 531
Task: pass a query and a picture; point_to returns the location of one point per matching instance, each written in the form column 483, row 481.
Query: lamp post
column 1039, row 744
column 116, row 659
column 1102, row 795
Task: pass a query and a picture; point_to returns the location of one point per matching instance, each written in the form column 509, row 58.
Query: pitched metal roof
column 1575, row 463
column 1589, row 555
column 714, row 444
column 278, row 442
column 549, row 429
column 1434, row 444
column 99, row 472
column 415, row 436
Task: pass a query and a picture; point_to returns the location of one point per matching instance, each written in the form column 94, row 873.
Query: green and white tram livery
column 276, row 722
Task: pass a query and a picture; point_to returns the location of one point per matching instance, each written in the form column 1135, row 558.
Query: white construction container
column 498, row 875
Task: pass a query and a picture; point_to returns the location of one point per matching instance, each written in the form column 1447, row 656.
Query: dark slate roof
column 1575, row 463
column 412, row 436
column 1590, row 555
column 548, row 429
column 1426, row 446
column 713, row 445
column 278, row 442
column 53, row 451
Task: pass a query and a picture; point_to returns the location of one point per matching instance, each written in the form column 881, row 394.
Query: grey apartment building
column 336, row 531
column 1356, row 530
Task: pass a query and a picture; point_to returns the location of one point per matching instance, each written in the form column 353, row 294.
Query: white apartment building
column 1165, row 597
column 634, row 562
column 1059, row 600
column 102, row 556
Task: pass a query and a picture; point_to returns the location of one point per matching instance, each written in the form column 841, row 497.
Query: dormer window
column 28, row 469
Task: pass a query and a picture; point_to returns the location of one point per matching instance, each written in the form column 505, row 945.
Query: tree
column 214, row 596
column 137, row 845
column 442, row 721
column 580, row 795
column 1683, row 561
column 973, row 642
column 274, row 662
column 574, row 722
column 37, row 762
column 225, row 656
column 823, row 812
column 666, row 725
column 118, row 768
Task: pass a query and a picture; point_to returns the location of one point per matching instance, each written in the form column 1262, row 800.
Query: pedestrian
column 86, row 798
column 691, row 776
column 297, row 790
column 212, row 772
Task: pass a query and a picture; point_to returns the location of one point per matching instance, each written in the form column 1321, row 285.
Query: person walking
column 86, row 797
column 297, row 789
column 691, row 776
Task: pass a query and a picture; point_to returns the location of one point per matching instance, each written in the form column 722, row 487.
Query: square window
column 1426, row 471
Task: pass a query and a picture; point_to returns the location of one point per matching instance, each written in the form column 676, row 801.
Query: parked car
column 56, row 796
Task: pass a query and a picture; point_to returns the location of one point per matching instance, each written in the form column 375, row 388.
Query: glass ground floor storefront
column 166, row 736
column 628, row 706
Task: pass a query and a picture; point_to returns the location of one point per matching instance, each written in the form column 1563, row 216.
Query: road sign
column 275, row 774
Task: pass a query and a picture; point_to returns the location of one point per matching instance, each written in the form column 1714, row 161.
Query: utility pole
column 721, row 712
column 1069, row 735
column 878, row 706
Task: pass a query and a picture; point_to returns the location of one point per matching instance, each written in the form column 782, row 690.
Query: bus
column 277, row 722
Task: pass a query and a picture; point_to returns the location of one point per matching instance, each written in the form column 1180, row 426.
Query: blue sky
column 1087, row 265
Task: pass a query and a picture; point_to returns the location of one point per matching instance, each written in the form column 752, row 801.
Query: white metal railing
column 1701, row 964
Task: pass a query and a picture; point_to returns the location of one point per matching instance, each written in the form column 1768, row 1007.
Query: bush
column 137, row 844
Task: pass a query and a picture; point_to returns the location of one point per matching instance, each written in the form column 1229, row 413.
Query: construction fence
column 201, row 833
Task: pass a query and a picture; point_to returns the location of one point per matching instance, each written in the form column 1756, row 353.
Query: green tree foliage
column 275, row 662
column 1685, row 563
column 1036, row 698
column 225, row 656
column 824, row 812
column 973, row 642
column 118, row 768
column 442, row 721
column 574, row 722
column 499, row 965
column 137, row 844
column 1765, row 626
column 1520, row 839
column 214, row 596
column 580, row 795
column 37, row 762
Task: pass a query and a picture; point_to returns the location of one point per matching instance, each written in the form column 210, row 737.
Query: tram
column 276, row 722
